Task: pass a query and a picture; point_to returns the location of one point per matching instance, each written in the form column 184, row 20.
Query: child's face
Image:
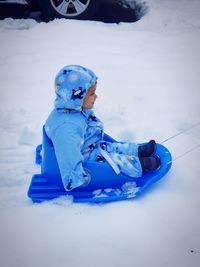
column 90, row 98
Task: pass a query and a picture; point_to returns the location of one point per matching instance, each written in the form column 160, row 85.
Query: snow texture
column 148, row 88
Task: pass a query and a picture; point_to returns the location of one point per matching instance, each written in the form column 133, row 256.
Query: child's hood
column 71, row 85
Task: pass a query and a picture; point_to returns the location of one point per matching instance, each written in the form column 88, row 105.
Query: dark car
column 50, row 9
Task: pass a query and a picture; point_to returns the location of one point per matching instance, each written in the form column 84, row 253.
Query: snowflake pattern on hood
column 71, row 85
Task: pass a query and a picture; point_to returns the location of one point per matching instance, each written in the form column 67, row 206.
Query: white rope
column 185, row 153
column 175, row 135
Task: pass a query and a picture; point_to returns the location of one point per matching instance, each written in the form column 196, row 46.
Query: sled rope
column 185, row 153
column 175, row 135
column 183, row 131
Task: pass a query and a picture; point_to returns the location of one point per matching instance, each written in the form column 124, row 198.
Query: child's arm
column 67, row 144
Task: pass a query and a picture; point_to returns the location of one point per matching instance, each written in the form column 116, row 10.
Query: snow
column 148, row 88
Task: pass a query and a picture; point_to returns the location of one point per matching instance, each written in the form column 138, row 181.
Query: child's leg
column 133, row 149
column 130, row 149
column 129, row 165
column 137, row 155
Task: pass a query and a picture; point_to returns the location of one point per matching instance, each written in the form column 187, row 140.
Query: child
column 77, row 134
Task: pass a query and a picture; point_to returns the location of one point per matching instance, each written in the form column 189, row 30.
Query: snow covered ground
column 148, row 88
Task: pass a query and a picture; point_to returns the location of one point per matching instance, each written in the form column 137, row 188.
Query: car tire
column 70, row 9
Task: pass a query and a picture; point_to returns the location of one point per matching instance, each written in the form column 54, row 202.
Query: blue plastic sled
column 105, row 184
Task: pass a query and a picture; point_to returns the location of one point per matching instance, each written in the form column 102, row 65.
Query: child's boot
column 147, row 149
column 150, row 163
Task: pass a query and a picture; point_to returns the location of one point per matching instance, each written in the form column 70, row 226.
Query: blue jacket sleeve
column 67, row 141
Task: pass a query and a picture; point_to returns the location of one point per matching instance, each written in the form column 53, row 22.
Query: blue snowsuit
column 77, row 133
